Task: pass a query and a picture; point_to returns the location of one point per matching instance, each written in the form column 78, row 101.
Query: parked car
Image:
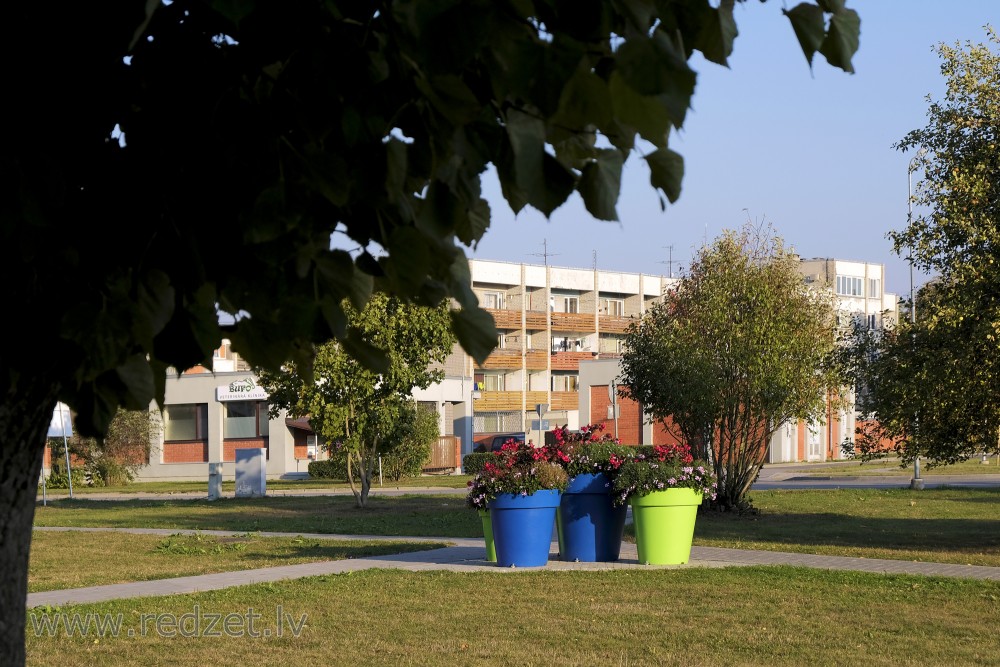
column 493, row 442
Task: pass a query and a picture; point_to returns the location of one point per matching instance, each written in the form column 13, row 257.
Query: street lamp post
column 917, row 482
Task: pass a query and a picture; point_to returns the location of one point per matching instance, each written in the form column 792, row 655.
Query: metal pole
column 916, row 482
column 69, row 472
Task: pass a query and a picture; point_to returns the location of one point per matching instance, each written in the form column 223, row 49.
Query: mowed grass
column 424, row 515
column 273, row 486
column 75, row 559
column 691, row 616
column 946, row 525
column 892, row 468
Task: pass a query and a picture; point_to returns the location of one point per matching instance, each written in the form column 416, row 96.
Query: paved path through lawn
column 464, row 555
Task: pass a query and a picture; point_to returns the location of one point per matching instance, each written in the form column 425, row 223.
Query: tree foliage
column 356, row 409
column 926, row 389
column 175, row 160
column 739, row 347
column 933, row 385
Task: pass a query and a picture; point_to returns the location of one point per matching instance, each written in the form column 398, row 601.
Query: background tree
column 934, row 385
column 927, row 389
column 175, row 160
column 360, row 410
column 739, row 347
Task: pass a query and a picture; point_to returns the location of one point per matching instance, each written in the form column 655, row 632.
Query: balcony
column 505, row 319
column 618, row 325
column 535, row 319
column 565, row 400
column 503, row 359
column 537, row 360
column 506, row 401
column 570, row 361
column 581, row 322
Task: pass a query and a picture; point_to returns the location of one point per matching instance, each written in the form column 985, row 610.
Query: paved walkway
column 465, row 555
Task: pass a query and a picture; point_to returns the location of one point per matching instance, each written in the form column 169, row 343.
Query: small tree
column 360, row 409
column 410, row 447
column 738, row 348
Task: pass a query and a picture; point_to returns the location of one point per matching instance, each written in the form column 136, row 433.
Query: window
column 613, row 307
column 874, row 288
column 185, row 422
column 565, row 383
column 571, row 304
column 849, row 286
column 489, row 382
column 245, row 419
column 873, row 322
column 493, row 300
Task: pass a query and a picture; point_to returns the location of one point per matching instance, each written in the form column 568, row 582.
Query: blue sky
column 809, row 151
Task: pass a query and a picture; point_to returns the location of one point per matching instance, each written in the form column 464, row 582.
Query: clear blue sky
column 808, row 151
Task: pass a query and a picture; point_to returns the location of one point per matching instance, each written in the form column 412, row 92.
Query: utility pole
column 915, row 483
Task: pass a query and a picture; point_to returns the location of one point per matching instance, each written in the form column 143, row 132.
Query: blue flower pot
column 592, row 526
column 522, row 527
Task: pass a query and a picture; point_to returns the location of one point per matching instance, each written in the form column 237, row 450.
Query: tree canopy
column 931, row 387
column 738, row 348
column 357, row 410
column 172, row 161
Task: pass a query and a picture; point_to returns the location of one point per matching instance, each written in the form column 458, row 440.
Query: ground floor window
column 185, row 422
column 245, row 419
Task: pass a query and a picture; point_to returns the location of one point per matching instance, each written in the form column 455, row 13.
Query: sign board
column 251, row 473
column 245, row 389
column 614, row 411
column 541, row 409
column 539, row 424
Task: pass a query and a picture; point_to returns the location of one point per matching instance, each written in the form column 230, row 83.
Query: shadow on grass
column 838, row 530
column 413, row 515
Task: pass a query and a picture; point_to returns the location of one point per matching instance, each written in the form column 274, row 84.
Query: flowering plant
column 588, row 451
column 661, row 467
column 519, row 469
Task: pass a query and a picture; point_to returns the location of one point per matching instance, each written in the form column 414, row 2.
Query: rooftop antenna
column 545, row 254
column 670, row 261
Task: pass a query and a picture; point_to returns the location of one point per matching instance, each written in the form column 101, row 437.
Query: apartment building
column 550, row 319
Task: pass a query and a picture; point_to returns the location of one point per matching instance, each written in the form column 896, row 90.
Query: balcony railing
column 570, row 361
column 583, row 322
column 500, row 401
column 610, row 324
column 565, row 400
column 506, row 319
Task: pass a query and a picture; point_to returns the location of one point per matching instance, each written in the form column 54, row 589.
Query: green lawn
column 418, row 515
column 891, row 468
column 282, row 485
column 75, row 559
column 694, row 616
column 957, row 525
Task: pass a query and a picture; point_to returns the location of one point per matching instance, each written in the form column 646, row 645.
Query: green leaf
column 526, row 135
column 715, row 40
column 476, row 224
column 554, row 188
column 841, row 41
column 155, row 305
column 600, row 184
column 666, row 171
column 395, row 170
column 367, row 354
column 476, row 332
column 326, row 174
column 646, row 114
column 137, row 378
column 409, row 258
column 831, row 6
column 585, row 100
column 656, row 67
column 809, row 26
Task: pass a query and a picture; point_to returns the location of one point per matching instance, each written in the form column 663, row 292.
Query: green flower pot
column 491, row 551
column 664, row 525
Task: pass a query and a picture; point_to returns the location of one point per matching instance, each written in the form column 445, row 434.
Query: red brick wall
column 185, row 452
column 229, row 447
column 629, row 420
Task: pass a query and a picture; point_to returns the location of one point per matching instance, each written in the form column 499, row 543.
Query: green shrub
column 59, row 480
column 330, row 469
column 473, row 463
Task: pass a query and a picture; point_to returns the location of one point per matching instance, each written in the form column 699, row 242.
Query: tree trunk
column 25, row 414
